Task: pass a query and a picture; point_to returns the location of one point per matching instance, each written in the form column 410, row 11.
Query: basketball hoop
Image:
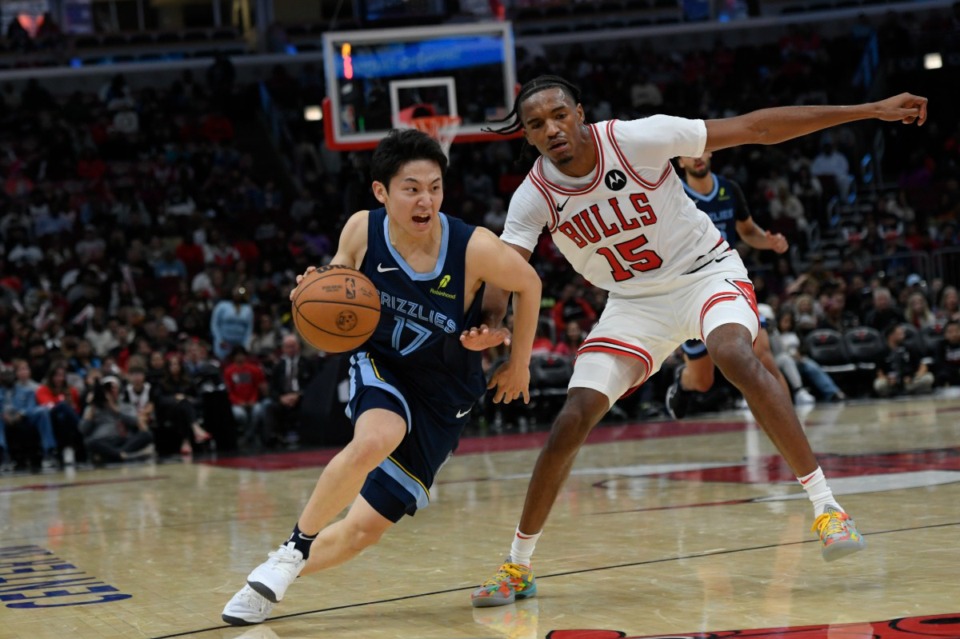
column 442, row 128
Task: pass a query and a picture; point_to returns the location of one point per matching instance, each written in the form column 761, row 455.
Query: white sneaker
column 272, row 578
column 246, row 607
column 803, row 398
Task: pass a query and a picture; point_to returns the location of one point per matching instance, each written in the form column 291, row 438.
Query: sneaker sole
column 841, row 549
column 493, row 602
column 264, row 591
column 237, row 621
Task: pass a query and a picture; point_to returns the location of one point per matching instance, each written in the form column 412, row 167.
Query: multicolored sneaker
column 511, row 582
column 838, row 534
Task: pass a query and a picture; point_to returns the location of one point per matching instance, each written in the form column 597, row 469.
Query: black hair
column 401, row 146
column 512, row 123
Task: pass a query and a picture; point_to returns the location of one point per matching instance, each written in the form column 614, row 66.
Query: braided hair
column 512, row 122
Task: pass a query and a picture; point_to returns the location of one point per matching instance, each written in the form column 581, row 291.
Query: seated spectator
column 573, row 306
column 949, row 306
column 177, row 399
column 99, row 333
column 947, row 357
column 63, row 402
column 573, row 336
column 835, row 315
column 267, row 336
column 900, row 371
column 806, row 315
column 247, row 389
column 18, row 403
column 83, row 359
column 156, row 367
column 884, row 313
column 797, row 368
column 918, row 312
column 288, row 379
column 786, row 211
column 112, row 435
column 831, row 163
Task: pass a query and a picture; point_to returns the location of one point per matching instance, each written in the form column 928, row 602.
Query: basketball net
column 442, row 128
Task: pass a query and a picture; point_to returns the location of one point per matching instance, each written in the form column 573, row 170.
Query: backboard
column 376, row 78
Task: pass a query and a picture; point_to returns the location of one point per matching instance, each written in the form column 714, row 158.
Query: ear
column 380, row 192
column 580, row 114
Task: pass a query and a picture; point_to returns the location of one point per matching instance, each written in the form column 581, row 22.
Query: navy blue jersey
column 422, row 316
column 725, row 205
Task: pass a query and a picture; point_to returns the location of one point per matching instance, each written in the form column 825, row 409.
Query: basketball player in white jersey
column 618, row 212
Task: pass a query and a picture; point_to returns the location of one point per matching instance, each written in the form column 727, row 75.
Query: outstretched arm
column 501, row 267
column 754, row 236
column 779, row 124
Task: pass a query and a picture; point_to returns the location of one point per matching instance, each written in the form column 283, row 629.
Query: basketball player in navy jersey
column 616, row 209
column 723, row 202
column 413, row 384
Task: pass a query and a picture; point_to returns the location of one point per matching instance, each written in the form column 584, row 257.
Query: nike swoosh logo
column 463, row 413
column 386, row 269
column 721, row 258
column 560, row 206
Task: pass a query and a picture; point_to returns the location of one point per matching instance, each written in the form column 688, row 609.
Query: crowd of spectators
column 149, row 247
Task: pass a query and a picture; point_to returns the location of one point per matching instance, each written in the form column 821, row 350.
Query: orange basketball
column 336, row 308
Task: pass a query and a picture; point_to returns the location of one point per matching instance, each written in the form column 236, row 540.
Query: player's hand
column 511, row 381
column 310, row 269
column 480, row 338
column 906, row 108
column 777, row 242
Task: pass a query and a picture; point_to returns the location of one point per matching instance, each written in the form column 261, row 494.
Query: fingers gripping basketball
column 336, row 308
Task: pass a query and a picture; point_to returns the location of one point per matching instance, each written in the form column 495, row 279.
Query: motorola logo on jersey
column 615, row 180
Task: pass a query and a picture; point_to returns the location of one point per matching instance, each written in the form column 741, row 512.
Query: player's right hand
column 310, row 269
column 480, row 338
column 906, row 108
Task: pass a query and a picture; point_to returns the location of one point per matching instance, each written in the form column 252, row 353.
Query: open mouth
column 421, row 219
column 559, row 146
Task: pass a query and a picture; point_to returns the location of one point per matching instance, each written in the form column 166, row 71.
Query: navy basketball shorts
column 400, row 485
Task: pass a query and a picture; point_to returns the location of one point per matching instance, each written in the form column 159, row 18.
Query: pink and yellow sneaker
column 511, row 582
column 838, row 534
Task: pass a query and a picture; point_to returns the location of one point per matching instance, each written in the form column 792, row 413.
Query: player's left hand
column 906, row 107
column 480, row 338
column 511, row 381
column 777, row 242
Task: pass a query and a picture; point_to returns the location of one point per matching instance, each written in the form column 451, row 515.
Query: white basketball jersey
column 629, row 227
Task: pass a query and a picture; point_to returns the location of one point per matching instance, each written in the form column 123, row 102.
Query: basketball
column 336, row 308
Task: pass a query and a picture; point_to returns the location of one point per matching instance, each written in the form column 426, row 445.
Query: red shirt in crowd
column 243, row 382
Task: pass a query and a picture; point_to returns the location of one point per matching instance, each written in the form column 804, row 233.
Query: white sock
column 818, row 492
column 521, row 550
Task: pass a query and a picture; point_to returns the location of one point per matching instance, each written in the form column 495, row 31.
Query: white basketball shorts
column 634, row 335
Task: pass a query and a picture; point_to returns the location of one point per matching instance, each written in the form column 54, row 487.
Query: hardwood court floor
column 664, row 528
